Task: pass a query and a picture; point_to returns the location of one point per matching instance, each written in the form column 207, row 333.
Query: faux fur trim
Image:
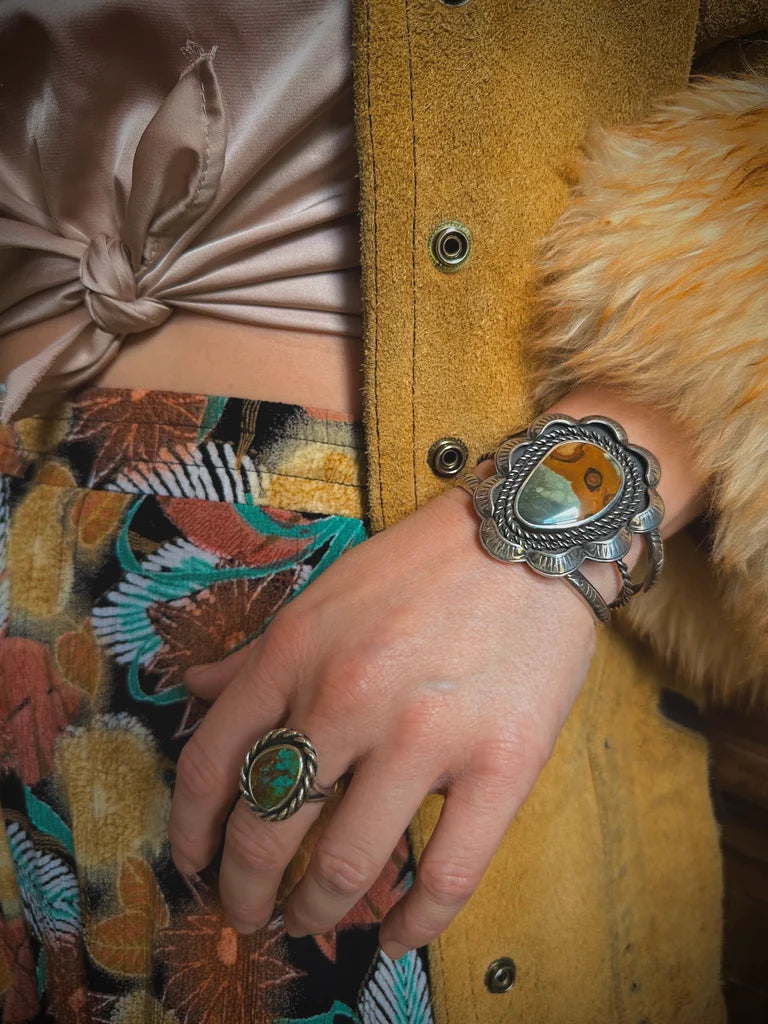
column 655, row 282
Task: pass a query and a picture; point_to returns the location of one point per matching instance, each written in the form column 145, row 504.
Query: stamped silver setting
column 605, row 535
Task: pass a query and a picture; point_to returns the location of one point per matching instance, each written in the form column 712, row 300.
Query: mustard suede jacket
column 606, row 893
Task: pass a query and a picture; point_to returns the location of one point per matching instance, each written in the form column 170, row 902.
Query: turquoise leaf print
column 397, row 993
column 45, row 819
column 339, row 1013
column 47, row 885
column 179, row 569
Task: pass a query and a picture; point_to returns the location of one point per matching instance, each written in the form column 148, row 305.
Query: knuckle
column 508, row 759
column 447, row 885
column 251, row 846
column 342, row 874
column 417, row 723
column 197, row 771
column 343, row 687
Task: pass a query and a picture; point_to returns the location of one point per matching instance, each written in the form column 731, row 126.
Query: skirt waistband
column 194, row 446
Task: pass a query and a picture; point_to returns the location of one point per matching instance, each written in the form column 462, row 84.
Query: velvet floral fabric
column 141, row 533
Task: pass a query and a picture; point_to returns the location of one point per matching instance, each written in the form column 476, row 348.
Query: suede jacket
column 472, row 114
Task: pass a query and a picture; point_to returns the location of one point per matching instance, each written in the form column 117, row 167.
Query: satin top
column 161, row 156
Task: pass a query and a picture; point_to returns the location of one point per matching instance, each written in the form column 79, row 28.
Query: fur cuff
column 654, row 282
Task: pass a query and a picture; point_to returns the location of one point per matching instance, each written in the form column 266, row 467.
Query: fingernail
column 242, row 927
column 394, row 950
column 293, row 929
column 183, row 866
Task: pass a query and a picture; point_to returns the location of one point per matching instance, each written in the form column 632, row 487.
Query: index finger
column 208, row 770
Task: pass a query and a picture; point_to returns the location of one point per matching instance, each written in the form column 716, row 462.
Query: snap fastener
column 454, row 3
column 448, row 456
column 500, row 976
column 450, row 246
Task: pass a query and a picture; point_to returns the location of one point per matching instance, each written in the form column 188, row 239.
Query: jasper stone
column 274, row 776
column 573, row 482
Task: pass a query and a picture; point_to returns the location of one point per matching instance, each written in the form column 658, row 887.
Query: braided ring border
column 307, row 773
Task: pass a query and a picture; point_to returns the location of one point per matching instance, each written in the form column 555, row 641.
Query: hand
column 422, row 664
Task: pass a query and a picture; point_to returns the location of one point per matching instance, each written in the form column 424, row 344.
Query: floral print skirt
column 142, row 532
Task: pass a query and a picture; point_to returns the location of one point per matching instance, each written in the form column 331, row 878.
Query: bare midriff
column 206, row 355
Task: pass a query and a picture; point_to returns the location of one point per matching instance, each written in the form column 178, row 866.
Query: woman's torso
column 262, row 269
column 207, row 355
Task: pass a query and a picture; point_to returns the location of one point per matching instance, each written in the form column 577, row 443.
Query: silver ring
column 278, row 775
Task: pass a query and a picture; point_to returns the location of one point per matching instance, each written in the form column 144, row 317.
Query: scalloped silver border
column 559, row 563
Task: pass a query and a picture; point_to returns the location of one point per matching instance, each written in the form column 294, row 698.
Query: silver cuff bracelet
column 567, row 490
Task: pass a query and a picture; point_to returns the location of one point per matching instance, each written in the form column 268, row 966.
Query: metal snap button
column 454, row 3
column 500, row 976
column 448, row 456
column 450, row 246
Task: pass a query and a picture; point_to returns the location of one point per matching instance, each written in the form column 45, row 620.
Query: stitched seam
column 75, row 438
column 151, row 464
column 70, row 437
column 333, row 445
column 598, row 786
column 375, row 270
column 413, row 254
column 141, row 495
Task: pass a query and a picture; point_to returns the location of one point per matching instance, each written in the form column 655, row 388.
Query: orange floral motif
column 122, row 944
column 215, row 974
column 222, row 531
column 134, row 426
column 99, row 515
column 36, row 704
column 138, row 889
column 80, row 659
column 209, row 625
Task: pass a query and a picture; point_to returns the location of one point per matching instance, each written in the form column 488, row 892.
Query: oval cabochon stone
column 274, row 775
column 572, row 483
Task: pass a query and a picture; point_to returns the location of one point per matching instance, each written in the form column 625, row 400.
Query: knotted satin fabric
column 141, row 173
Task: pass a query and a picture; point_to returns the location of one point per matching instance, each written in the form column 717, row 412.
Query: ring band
column 278, row 775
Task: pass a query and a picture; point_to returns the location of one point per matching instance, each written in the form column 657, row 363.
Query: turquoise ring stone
column 278, row 774
column 274, row 776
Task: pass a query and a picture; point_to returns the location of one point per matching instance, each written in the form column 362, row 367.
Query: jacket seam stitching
column 375, row 269
column 413, row 252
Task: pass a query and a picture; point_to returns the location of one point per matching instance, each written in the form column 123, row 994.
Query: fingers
column 471, row 826
column 257, row 852
column 209, row 681
column 383, row 796
column 208, row 770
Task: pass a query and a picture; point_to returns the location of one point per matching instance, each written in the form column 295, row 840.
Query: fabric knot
column 111, row 294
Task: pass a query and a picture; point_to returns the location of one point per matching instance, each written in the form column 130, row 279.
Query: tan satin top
column 185, row 155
